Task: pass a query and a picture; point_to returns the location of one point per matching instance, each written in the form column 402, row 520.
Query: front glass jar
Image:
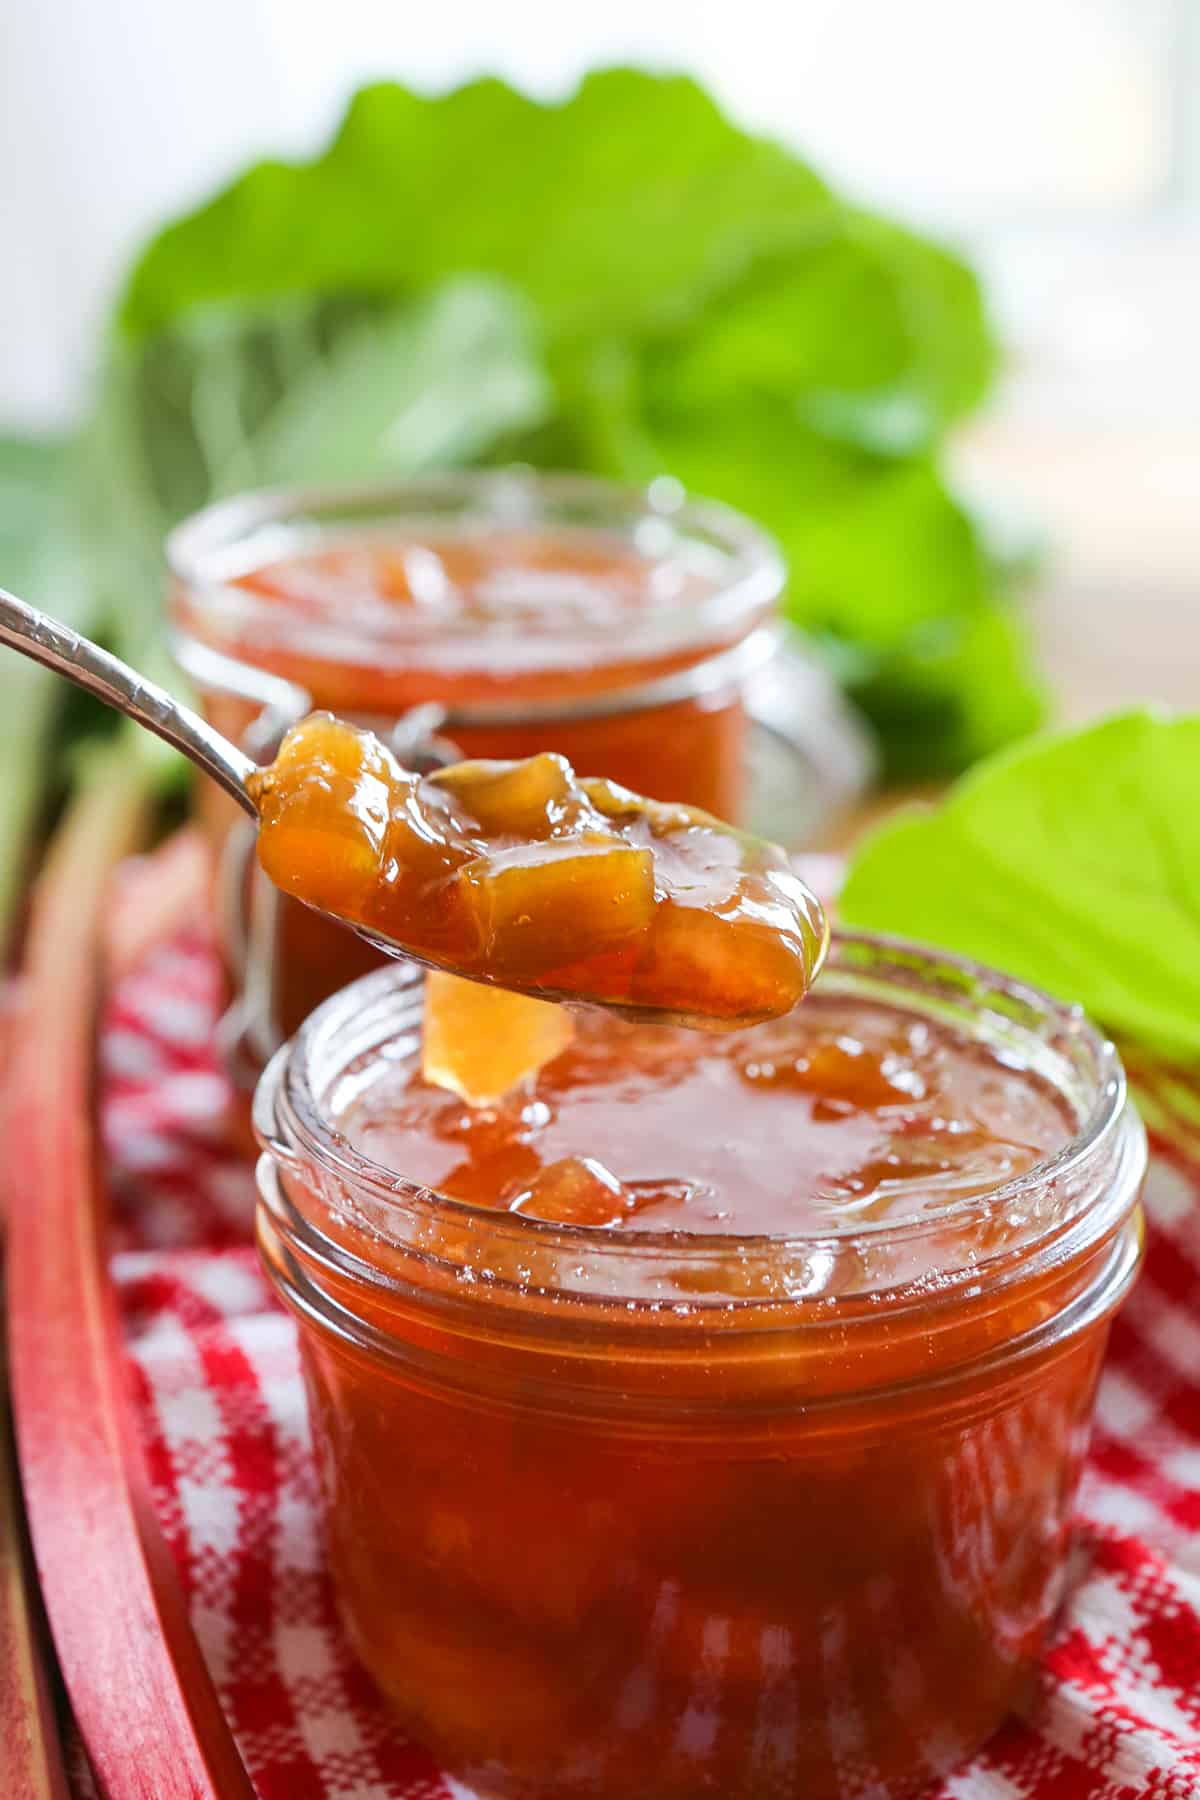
column 493, row 614
column 615, row 1512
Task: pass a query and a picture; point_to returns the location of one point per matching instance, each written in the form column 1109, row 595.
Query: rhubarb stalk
column 137, row 1683
column 31, row 1766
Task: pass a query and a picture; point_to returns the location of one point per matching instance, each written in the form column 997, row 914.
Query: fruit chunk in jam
column 523, row 875
column 481, row 1042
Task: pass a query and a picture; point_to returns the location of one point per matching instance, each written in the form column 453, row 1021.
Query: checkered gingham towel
column 223, row 1416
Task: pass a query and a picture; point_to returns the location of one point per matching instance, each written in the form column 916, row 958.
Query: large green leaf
column 887, row 570
column 865, row 334
column 672, row 293
column 304, row 391
column 1073, row 861
column 414, row 389
column 614, row 210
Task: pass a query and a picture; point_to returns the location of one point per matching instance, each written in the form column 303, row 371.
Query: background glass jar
column 616, row 1513
column 634, row 630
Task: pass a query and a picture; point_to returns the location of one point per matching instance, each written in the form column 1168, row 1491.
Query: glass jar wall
column 614, row 1512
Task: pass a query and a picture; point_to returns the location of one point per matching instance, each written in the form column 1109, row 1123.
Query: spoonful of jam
column 520, row 875
column 525, row 876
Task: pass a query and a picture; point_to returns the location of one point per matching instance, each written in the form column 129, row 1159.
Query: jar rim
column 209, row 550
column 290, row 1124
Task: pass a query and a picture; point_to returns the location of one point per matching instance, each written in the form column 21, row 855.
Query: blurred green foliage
column 624, row 282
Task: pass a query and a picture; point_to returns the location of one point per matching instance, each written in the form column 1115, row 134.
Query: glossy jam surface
column 604, row 1524
column 509, row 605
column 496, row 618
column 524, row 875
column 833, row 1118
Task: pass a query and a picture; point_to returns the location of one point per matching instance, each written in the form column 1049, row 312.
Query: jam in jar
column 705, row 1415
column 507, row 613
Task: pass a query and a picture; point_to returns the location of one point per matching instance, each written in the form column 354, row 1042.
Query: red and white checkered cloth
column 223, row 1416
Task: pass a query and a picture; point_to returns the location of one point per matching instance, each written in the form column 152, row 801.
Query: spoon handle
column 35, row 634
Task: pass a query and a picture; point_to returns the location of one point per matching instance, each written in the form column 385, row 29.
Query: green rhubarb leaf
column 617, row 208
column 420, row 388
column 1072, row 861
column 888, row 572
column 305, row 391
column 631, row 285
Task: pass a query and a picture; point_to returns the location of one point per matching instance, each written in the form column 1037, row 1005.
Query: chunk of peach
column 322, row 834
column 575, row 1190
column 620, row 803
column 536, row 904
column 422, row 832
column 336, row 870
column 514, row 799
column 706, row 967
column 481, row 1042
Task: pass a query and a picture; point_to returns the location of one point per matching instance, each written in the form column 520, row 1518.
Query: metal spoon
column 48, row 641
column 45, row 640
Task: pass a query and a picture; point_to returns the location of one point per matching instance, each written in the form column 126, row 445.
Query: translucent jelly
column 705, row 1417
column 523, row 875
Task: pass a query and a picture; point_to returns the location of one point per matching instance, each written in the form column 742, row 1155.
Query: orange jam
column 522, row 875
column 705, row 1417
column 478, row 616
column 839, row 1114
column 531, row 613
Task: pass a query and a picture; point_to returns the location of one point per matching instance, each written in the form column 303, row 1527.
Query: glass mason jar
column 621, row 1513
column 634, row 630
